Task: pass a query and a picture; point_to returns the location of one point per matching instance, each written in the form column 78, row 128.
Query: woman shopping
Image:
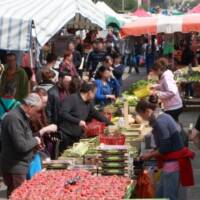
column 173, row 158
column 167, row 89
column 67, row 65
column 107, row 87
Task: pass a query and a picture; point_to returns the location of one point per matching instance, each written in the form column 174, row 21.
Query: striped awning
column 162, row 24
column 47, row 16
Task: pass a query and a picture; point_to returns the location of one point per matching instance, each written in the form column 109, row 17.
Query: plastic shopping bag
column 35, row 166
column 144, row 186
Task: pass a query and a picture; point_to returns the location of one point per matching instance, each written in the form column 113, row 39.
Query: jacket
column 184, row 157
column 168, row 92
column 53, row 104
column 112, row 87
column 73, row 110
column 77, row 59
column 118, row 72
column 68, row 67
column 95, row 58
column 21, row 80
column 166, row 134
column 102, row 91
column 17, row 142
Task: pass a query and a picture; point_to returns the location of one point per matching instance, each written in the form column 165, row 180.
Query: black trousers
column 175, row 113
column 13, row 181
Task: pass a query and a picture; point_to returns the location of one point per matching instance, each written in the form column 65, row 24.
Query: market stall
column 140, row 12
column 105, row 156
column 19, row 24
column 189, row 77
column 196, row 9
column 162, row 24
column 112, row 18
column 73, row 184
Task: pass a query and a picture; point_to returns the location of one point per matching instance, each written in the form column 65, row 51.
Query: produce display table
column 191, row 103
column 89, row 155
column 72, row 185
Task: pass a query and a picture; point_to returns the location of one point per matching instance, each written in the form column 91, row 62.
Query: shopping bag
column 144, row 187
column 35, row 166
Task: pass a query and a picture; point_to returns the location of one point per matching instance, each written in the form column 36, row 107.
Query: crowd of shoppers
column 53, row 114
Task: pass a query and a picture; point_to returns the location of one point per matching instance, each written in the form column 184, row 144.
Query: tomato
column 51, row 185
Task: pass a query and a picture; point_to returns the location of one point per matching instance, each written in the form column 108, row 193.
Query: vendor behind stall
column 167, row 89
column 75, row 111
column 173, row 158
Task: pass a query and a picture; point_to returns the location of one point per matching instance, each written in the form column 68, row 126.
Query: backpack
column 6, row 110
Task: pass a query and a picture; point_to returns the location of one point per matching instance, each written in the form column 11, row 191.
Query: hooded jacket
column 168, row 92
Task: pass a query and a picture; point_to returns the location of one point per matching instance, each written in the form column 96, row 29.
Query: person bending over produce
column 18, row 141
column 173, row 158
column 167, row 89
column 75, row 111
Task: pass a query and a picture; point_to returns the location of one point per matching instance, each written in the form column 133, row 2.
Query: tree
column 129, row 5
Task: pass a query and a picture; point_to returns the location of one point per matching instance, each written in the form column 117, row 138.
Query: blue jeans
column 168, row 186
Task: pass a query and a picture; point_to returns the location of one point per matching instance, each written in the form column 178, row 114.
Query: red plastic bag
column 144, row 187
column 95, row 128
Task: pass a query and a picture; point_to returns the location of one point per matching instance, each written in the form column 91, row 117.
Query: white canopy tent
column 18, row 17
column 109, row 12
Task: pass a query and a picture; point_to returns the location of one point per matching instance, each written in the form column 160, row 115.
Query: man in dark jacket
column 119, row 68
column 18, row 141
column 76, row 55
column 55, row 95
column 75, row 111
column 96, row 57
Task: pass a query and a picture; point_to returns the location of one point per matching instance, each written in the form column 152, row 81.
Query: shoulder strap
column 10, row 107
column 13, row 105
column 3, row 105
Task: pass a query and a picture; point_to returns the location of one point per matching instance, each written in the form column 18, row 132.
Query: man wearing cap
column 18, row 141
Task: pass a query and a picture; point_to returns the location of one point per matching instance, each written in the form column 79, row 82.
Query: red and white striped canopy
column 162, row 24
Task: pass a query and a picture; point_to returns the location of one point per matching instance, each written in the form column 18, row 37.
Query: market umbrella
column 140, row 12
column 196, row 9
column 112, row 18
column 162, row 24
column 139, row 27
column 191, row 23
column 176, row 12
column 114, row 22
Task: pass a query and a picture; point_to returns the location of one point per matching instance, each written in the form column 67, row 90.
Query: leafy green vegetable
column 131, row 99
column 138, row 85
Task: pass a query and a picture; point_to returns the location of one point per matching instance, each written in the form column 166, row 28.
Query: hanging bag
column 35, row 166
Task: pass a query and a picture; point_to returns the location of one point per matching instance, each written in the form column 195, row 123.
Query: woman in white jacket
column 167, row 89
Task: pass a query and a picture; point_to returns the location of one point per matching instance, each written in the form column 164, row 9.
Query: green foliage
column 191, row 3
column 145, row 6
column 129, row 5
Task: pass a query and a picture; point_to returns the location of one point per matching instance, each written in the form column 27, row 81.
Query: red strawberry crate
column 112, row 139
column 95, row 128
